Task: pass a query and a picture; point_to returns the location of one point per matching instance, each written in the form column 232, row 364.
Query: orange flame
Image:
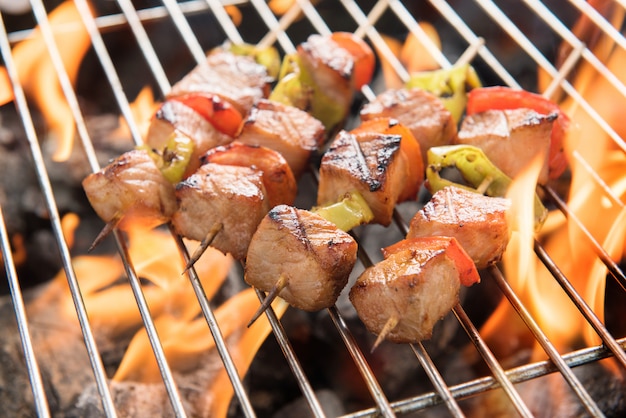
column 412, row 53
column 142, row 109
column 38, row 76
column 599, row 205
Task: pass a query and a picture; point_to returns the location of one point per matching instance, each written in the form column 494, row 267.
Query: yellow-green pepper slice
column 297, row 88
column 348, row 213
column 450, row 85
column 266, row 56
column 174, row 158
column 476, row 169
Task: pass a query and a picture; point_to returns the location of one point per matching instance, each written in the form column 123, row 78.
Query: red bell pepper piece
column 219, row 113
column 468, row 274
column 501, row 98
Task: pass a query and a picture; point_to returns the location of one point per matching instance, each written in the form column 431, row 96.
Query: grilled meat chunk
column 402, row 297
column 420, row 111
column 231, row 196
column 131, row 189
column 278, row 180
column 309, row 255
column 291, row 131
column 510, row 138
column 478, row 222
column 237, row 79
column 369, row 163
column 176, row 115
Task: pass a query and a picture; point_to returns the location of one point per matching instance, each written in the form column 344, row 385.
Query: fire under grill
column 499, row 352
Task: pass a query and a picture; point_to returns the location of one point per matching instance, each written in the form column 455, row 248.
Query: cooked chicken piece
column 237, row 79
column 231, row 196
column 420, row 111
column 369, row 163
column 478, row 222
column 511, row 139
column 308, row 256
column 175, row 115
column 331, row 68
column 278, row 180
column 131, row 189
column 402, row 297
column 291, row 131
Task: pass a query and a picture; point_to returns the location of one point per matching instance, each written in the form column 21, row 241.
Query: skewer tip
column 271, row 295
column 108, row 228
column 204, row 244
column 391, row 323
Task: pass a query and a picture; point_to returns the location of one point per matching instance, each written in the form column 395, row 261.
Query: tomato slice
column 364, row 59
column 220, row 113
column 408, row 146
column 468, row 274
column 501, row 98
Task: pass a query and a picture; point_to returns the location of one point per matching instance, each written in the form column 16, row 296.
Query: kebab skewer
column 206, row 98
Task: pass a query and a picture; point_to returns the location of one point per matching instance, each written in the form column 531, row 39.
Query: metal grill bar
column 277, row 31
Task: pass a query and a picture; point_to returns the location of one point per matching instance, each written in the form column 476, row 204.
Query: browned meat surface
column 369, row 163
column 331, row 67
column 131, row 188
column 478, row 222
column 235, row 78
column 176, row 115
column 292, row 132
column 402, row 297
column 313, row 257
column 420, row 111
column 511, row 139
column 278, row 180
column 221, row 194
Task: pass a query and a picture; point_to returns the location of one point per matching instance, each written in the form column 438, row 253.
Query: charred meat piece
column 420, row 111
column 291, row 131
column 177, row 116
column 309, row 256
column 231, row 196
column 478, row 222
column 278, row 180
column 131, row 189
column 369, row 163
column 237, row 79
column 402, row 297
column 510, row 138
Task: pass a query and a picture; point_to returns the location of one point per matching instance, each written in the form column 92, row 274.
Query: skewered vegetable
column 450, row 85
column 476, row 169
column 322, row 75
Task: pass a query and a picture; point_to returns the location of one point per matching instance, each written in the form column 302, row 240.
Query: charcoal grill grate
column 363, row 21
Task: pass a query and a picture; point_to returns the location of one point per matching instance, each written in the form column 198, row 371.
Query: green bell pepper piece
column 348, row 213
column 297, row 88
column 174, row 158
column 267, row 56
column 450, row 85
column 476, row 169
